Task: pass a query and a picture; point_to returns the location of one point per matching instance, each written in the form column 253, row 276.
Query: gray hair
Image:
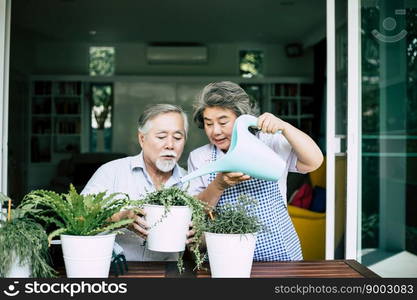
column 156, row 110
column 225, row 94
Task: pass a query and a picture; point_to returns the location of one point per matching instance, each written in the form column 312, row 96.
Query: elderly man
column 162, row 133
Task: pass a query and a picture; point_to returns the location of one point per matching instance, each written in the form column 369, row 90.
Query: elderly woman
column 215, row 111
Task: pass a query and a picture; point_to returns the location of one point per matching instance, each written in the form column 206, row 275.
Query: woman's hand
column 226, row 180
column 216, row 188
column 139, row 225
column 309, row 156
column 269, row 123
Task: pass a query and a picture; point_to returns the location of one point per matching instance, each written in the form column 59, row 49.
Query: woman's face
column 218, row 124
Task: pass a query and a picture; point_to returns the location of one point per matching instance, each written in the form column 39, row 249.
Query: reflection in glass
column 389, row 130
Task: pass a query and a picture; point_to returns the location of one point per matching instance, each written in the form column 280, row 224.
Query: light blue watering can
column 246, row 154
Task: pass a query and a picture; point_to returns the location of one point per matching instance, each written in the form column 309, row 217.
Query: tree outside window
column 101, row 117
column 251, row 63
column 102, row 61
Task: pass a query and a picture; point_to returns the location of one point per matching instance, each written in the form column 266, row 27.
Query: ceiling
column 170, row 21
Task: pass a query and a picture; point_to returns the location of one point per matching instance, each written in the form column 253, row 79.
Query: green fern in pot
column 76, row 214
column 84, row 224
column 23, row 247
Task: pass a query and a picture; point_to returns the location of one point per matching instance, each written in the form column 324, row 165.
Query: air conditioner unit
column 176, row 55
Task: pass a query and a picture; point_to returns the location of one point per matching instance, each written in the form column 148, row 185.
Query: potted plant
column 84, row 225
column 169, row 212
column 23, row 246
column 231, row 238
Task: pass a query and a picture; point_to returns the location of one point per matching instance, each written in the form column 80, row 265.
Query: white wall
column 72, row 58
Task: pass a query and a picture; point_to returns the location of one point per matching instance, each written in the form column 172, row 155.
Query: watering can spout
column 206, row 169
column 247, row 154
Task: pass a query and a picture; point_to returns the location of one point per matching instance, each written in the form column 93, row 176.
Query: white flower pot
column 230, row 255
column 87, row 256
column 169, row 233
column 18, row 270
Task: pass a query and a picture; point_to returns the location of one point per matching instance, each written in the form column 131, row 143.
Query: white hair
column 156, row 110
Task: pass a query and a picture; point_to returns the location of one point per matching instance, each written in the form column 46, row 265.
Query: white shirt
column 276, row 142
column 129, row 175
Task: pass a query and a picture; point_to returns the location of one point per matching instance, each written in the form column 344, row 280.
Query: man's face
column 164, row 142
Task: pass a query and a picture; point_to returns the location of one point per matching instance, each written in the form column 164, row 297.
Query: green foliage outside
column 102, row 61
column 251, row 63
column 370, row 227
column 102, row 104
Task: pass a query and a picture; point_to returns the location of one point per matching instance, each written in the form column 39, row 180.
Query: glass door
column 387, row 241
column 372, row 134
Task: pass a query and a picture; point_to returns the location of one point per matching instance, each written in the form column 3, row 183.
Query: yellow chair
column 309, row 225
column 318, row 177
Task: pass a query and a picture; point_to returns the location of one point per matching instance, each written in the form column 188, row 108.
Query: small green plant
column 174, row 196
column 234, row 219
column 76, row 214
column 21, row 238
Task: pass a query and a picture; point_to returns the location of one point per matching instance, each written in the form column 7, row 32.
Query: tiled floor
column 389, row 264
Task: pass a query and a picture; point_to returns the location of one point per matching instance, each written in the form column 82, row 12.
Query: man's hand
column 191, row 242
column 139, row 225
column 190, row 234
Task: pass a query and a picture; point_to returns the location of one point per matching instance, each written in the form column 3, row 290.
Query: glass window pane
column 102, row 60
column 251, row 63
column 101, row 117
column 389, row 136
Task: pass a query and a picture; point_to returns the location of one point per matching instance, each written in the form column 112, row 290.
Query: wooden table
column 312, row 269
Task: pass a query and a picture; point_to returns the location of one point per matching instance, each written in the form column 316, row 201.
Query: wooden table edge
column 172, row 272
column 365, row 272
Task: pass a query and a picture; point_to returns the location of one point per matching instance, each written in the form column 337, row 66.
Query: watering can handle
column 253, row 123
column 246, row 121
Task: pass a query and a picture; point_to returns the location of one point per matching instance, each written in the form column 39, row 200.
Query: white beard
column 165, row 165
